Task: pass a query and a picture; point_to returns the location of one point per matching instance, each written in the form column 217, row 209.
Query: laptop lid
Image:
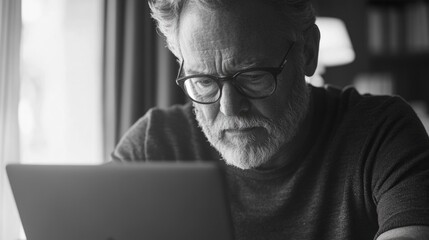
column 164, row 201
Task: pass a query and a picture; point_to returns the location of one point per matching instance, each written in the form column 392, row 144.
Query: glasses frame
column 275, row 71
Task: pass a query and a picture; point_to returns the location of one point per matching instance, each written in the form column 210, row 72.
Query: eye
column 203, row 82
column 256, row 83
column 253, row 77
column 202, row 89
column 201, row 85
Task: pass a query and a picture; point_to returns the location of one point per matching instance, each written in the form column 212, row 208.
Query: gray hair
column 167, row 16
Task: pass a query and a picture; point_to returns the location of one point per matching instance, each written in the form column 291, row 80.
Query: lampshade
column 335, row 45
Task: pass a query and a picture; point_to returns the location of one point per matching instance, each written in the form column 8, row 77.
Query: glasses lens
column 256, row 83
column 202, row 89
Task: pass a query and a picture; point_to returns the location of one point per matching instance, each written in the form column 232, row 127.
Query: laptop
column 155, row 201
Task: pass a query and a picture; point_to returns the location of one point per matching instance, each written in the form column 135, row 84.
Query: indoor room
column 92, row 83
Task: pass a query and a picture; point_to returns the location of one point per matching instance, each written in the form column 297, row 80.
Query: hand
column 406, row 233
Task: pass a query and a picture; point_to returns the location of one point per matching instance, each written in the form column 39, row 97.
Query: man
column 302, row 162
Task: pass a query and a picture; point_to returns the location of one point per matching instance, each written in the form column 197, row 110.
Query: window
column 60, row 103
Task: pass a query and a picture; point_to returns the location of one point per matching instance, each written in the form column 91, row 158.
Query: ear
column 311, row 49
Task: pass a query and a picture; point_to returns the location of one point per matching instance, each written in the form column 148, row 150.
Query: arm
column 399, row 180
column 131, row 146
column 406, row 233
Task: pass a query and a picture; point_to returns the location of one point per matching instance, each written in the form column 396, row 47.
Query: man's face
column 248, row 133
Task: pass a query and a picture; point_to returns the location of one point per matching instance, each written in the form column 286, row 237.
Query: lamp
column 335, row 47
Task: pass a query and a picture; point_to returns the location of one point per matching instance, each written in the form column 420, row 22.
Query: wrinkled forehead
column 232, row 29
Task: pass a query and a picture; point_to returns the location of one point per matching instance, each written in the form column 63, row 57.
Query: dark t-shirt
column 363, row 170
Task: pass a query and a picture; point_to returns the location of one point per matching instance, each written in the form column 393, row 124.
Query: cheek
column 287, row 83
column 209, row 111
column 269, row 107
column 274, row 106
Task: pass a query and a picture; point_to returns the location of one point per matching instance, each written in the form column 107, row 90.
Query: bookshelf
column 391, row 42
column 398, row 26
column 398, row 45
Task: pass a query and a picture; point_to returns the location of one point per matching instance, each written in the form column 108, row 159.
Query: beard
column 251, row 150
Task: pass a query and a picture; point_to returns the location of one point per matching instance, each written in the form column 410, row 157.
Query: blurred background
column 390, row 41
column 75, row 74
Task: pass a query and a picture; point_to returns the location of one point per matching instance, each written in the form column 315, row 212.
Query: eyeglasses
column 253, row 83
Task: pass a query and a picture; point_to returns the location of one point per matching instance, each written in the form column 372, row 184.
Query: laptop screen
column 179, row 201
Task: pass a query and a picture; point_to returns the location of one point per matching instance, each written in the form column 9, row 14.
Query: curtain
column 138, row 70
column 10, row 34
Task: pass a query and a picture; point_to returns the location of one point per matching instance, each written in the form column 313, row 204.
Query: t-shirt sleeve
column 131, row 147
column 170, row 134
column 400, row 177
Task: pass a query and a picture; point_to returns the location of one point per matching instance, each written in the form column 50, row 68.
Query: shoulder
column 155, row 132
column 348, row 104
column 385, row 149
column 161, row 121
column 349, row 98
column 175, row 119
column 367, row 119
column 176, row 114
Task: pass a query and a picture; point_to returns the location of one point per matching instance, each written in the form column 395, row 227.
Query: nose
column 232, row 102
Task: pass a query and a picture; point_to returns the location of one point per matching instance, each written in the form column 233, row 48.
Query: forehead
column 235, row 35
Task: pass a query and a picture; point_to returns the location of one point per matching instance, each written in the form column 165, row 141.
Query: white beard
column 252, row 152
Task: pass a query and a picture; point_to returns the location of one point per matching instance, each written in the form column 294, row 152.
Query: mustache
column 241, row 122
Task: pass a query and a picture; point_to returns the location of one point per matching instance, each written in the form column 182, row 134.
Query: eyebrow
column 244, row 66
column 193, row 72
